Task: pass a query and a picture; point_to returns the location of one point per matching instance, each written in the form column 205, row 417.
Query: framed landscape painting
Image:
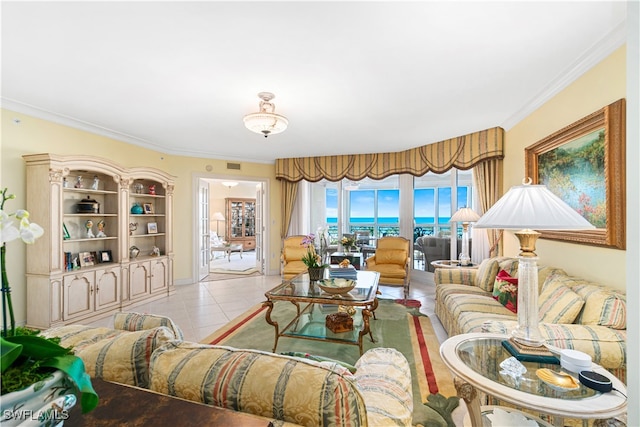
column 584, row 165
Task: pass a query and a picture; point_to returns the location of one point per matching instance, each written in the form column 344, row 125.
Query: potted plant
column 348, row 243
column 36, row 371
column 312, row 260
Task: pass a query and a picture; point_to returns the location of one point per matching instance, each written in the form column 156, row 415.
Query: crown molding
column 591, row 57
column 40, row 113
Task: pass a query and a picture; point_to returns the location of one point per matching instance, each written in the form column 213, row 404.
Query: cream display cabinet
column 107, row 242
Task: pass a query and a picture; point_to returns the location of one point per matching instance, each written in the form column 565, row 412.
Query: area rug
column 396, row 326
column 245, row 271
column 212, row 277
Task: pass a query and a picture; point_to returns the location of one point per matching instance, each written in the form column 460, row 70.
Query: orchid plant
column 311, row 259
column 24, row 354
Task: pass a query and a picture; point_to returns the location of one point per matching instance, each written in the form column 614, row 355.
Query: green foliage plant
column 26, row 357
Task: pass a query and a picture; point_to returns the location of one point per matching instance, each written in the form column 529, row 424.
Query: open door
column 203, row 229
column 259, row 228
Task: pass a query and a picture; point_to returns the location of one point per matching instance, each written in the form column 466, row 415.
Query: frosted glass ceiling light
column 266, row 121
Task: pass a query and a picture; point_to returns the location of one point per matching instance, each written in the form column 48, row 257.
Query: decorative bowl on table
column 336, row 286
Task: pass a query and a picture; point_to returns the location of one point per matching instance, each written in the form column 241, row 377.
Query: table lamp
column 525, row 208
column 465, row 216
column 217, row 217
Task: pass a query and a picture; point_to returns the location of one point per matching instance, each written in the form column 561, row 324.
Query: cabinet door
column 78, row 294
column 139, row 275
column 107, row 288
column 159, row 275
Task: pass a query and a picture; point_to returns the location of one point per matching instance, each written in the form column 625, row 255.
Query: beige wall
column 34, row 135
column 600, row 86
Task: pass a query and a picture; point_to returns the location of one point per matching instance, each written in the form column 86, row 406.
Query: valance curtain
column 463, row 152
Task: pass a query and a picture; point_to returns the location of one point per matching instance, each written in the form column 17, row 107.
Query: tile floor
column 201, row 308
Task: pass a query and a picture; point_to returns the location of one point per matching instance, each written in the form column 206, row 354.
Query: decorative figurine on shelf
column 96, row 182
column 155, row 251
column 133, row 252
column 101, row 229
column 89, row 225
column 133, row 226
column 138, row 187
column 136, row 209
column 75, row 263
column 152, row 190
column 78, row 182
column 65, row 183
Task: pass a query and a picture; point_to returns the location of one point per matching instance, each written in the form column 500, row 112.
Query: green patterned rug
column 395, row 326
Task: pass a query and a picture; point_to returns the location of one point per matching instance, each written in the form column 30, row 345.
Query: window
column 432, row 198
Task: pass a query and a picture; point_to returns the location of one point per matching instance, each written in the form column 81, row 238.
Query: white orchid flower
column 28, row 231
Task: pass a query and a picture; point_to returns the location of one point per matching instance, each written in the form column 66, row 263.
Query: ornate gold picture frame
column 584, row 165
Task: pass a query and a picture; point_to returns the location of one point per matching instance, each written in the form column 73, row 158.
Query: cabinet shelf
column 88, row 191
column 93, row 239
column 90, row 215
column 138, row 236
column 146, row 215
column 145, row 196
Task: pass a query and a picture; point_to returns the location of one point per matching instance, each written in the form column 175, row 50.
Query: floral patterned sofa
column 574, row 313
column 148, row 351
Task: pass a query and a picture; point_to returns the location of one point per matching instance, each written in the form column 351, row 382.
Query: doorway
column 230, row 217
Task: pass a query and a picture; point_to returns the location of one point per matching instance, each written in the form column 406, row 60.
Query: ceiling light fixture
column 229, row 184
column 266, row 121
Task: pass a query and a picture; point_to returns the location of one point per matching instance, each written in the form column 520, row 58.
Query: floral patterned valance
column 462, row 152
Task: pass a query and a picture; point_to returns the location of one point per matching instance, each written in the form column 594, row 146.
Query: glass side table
column 475, row 360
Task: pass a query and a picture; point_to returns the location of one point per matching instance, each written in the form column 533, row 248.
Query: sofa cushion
column 486, row 274
column 606, row 346
column 558, row 303
column 384, row 379
column 114, row 355
column 391, row 256
column 505, row 291
column 138, row 321
column 266, row 384
column 602, row 306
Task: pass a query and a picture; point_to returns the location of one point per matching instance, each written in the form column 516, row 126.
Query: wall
column 34, row 135
column 600, row 86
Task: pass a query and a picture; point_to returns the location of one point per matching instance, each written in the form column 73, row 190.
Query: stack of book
column 337, row 272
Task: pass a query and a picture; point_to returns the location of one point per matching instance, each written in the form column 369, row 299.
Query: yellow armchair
column 391, row 260
column 291, row 257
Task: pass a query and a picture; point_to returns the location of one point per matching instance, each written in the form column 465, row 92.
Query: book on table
column 337, row 272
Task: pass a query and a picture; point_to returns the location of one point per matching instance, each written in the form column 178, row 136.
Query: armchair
column 391, row 260
column 291, row 257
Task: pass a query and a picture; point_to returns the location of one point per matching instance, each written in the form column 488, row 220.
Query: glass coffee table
column 478, row 363
column 313, row 305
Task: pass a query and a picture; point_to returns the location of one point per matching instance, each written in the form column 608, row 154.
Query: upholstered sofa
column 573, row 313
column 148, row 351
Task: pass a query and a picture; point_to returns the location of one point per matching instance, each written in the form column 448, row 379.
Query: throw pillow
column 602, row 306
column 505, row 291
column 138, row 322
column 558, row 303
column 486, row 273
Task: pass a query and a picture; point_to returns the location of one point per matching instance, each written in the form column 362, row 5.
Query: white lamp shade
column 217, row 217
column 532, row 207
column 465, row 215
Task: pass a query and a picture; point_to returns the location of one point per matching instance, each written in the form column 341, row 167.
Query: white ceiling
column 351, row 77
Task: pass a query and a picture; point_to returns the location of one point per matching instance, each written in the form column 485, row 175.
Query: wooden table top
column 126, row 405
